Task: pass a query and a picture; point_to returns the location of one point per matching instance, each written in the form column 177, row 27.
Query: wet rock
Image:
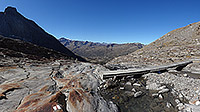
column 121, row 88
column 180, row 106
column 160, row 96
column 138, row 94
column 155, row 95
column 129, row 93
column 128, row 83
column 133, row 89
column 136, row 84
column 162, row 87
column 128, row 87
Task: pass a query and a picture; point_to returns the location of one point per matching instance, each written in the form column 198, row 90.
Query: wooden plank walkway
column 132, row 72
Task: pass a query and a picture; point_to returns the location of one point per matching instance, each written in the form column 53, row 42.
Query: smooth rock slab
column 138, row 94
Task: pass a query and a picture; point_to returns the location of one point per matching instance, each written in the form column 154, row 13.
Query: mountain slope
column 99, row 52
column 177, row 45
column 20, row 49
column 14, row 25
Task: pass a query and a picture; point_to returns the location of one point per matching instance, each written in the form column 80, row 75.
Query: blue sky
column 118, row 21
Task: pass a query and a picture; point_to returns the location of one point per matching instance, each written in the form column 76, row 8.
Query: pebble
column 169, row 105
column 197, row 103
column 137, row 94
column 136, row 84
column 133, row 90
column 180, row 106
column 160, row 96
column 128, row 83
column 185, row 75
column 155, row 95
column 121, row 88
column 162, row 87
column 163, row 91
column 180, row 96
column 177, row 101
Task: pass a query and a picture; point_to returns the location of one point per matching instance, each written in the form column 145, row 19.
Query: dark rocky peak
column 10, row 10
column 15, row 25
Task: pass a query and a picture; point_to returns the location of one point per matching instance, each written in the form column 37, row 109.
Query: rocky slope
column 14, row 25
column 20, row 49
column 178, row 45
column 99, row 52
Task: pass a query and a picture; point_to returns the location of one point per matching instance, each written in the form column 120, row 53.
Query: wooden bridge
column 133, row 72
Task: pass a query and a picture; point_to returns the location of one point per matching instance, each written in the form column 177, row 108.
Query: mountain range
column 39, row 74
column 99, row 52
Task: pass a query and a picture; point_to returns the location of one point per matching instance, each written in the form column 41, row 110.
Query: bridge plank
column 132, row 72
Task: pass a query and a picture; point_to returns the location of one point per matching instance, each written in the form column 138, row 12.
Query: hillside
column 15, row 25
column 99, row 52
column 20, row 49
column 177, row 45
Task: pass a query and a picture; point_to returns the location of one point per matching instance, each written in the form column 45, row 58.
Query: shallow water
column 145, row 103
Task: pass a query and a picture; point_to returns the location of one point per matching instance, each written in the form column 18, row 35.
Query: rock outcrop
column 63, row 85
column 14, row 25
column 99, row 52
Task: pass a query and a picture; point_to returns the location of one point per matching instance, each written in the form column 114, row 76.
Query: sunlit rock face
column 55, row 86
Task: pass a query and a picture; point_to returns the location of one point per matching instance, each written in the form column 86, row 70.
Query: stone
column 133, row 89
column 197, row 103
column 162, row 87
column 138, row 94
column 163, row 91
column 160, row 96
column 180, row 106
column 136, row 84
column 168, row 105
column 155, row 95
column 128, row 83
column 185, row 75
column 177, row 101
column 121, row 88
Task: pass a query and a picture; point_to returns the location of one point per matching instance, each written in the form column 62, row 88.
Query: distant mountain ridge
column 14, row 25
column 99, row 52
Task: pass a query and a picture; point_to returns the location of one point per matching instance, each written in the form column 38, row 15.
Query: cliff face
column 14, row 25
column 99, row 52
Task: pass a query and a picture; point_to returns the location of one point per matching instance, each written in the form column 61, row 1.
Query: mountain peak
column 10, row 10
